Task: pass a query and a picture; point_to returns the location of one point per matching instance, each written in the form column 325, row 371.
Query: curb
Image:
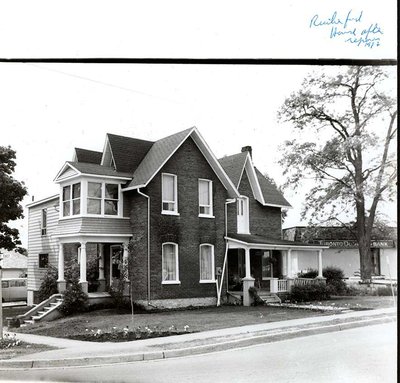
column 246, row 340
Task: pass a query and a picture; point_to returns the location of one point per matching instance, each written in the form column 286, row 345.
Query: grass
column 199, row 319
column 22, row 349
column 12, row 312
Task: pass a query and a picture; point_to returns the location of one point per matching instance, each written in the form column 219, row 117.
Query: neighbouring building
column 343, row 249
column 190, row 227
column 13, row 264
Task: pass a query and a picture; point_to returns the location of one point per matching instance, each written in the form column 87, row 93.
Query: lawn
column 22, row 349
column 199, row 319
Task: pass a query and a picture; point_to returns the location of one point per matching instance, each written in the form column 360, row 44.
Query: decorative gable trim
column 108, row 157
column 68, row 169
column 251, row 174
column 208, row 155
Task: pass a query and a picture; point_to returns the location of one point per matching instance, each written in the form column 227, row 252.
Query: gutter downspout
column 219, row 290
column 148, row 245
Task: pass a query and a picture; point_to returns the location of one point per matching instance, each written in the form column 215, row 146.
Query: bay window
column 205, row 198
column 170, row 264
column 102, row 198
column 71, row 198
column 207, row 273
column 169, row 194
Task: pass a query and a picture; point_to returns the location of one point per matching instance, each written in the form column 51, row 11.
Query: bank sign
column 350, row 244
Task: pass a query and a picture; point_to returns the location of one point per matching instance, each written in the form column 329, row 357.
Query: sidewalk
column 81, row 353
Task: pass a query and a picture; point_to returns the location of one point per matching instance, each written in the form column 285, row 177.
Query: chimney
column 248, row 149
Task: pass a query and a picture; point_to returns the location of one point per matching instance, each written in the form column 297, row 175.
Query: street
column 364, row 354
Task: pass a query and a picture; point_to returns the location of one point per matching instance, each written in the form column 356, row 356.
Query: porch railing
column 304, row 281
column 282, row 285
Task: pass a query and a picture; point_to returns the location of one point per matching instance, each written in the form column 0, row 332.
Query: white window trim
column 213, row 280
column 71, row 209
column 43, row 228
column 102, row 199
column 210, row 196
column 176, row 281
column 175, row 211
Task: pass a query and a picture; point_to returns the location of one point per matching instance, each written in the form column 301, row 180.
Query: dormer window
column 71, row 198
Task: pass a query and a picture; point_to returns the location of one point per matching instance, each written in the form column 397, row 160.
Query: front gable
column 66, row 172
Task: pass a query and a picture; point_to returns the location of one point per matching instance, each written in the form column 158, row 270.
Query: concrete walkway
column 83, row 353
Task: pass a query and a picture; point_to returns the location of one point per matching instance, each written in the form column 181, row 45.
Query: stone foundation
column 177, row 303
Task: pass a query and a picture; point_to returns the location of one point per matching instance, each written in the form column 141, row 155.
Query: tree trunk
column 365, row 258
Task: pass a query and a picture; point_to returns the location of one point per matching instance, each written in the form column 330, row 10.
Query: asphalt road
column 366, row 354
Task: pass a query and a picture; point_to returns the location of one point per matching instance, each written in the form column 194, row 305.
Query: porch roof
column 253, row 240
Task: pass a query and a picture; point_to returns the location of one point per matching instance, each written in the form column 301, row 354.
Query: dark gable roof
column 128, row 152
column 88, row 156
column 233, row 166
column 100, row 170
column 156, row 156
column 271, row 194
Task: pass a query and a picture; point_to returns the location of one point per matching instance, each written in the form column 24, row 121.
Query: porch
column 270, row 265
column 101, row 261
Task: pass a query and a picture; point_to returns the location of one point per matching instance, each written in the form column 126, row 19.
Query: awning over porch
column 259, row 241
column 249, row 242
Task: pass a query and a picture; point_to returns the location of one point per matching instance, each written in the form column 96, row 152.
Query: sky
column 48, row 109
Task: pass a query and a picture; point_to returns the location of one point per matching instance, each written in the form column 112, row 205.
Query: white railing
column 282, row 285
column 304, row 281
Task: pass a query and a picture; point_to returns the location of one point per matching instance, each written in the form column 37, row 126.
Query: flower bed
column 126, row 334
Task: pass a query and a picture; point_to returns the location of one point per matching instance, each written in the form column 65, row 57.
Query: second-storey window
column 71, row 199
column 94, row 198
column 205, row 198
column 169, row 193
column 43, row 223
column 102, row 198
column 207, row 263
column 170, row 264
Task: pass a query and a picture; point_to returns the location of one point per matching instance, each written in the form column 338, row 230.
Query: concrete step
column 54, row 304
column 29, row 321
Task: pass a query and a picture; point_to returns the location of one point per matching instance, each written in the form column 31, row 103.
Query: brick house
column 192, row 229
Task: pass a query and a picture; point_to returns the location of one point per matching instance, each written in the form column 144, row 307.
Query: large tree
column 350, row 114
column 11, row 194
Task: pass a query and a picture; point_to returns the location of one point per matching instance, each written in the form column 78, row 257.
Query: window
column 43, row 261
column 170, row 268
column 102, row 198
column 205, row 198
column 94, row 198
column 71, row 199
column 43, row 223
column 207, row 273
column 169, row 194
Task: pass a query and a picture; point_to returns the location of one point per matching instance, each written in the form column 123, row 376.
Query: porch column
column 61, row 284
column 102, row 279
column 289, row 275
column 248, row 280
column 125, row 256
column 289, row 263
column 320, row 276
column 82, row 280
column 247, row 262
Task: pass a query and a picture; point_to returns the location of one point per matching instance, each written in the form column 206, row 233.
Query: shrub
column 48, row 287
column 257, row 301
column 385, row 291
column 312, row 292
column 116, row 291
column 75, row 300
column 311, row 273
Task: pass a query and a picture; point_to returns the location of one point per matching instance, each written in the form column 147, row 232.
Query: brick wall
column 264, row 220
column 187, row 230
